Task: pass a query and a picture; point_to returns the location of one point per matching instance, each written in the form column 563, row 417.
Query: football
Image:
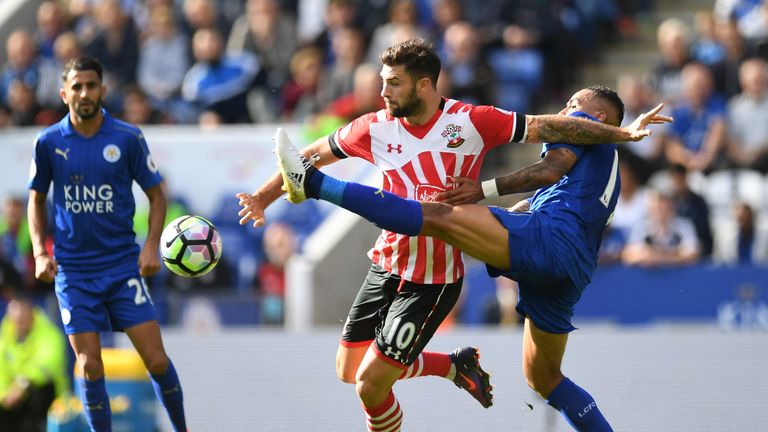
column 190, row 246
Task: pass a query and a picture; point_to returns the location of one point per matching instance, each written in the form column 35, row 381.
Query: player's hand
column 253, row 209
column 15, row 395
column 45, row 268
column 467, row 191
column 149, row 262
column 638, row 129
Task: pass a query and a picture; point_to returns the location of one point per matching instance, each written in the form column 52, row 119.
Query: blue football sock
column 96, row 404
column 168, row 390
column 384, row 209
column 578, row 407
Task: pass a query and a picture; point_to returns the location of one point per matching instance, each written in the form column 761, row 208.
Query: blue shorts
column 547, row 293
column 107, row 303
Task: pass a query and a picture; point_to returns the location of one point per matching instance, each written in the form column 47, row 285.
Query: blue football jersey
column 581, row 204
column 92, row 194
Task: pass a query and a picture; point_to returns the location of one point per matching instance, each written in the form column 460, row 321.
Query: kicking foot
column 294, row 168
column 470, row 376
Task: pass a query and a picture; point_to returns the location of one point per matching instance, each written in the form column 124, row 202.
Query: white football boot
column 293, row 167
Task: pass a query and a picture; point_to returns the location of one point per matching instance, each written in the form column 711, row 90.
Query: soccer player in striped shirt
column 92, row 160
column 548, row 243
column 420, row 142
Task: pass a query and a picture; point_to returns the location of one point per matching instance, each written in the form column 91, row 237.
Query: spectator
column 203, row 15
column 631, row 208
column 163, row 58
column 365, row 96
column 348, row 46
column 279, row 245
column 753, row 22
column 444, row 14
column 472, row 78
column 611, row 247
column 299, row 95
column 706, row 49
column 338, row 14
column 695, row 138
column 726, row 73
column 138, row 110
column 65, row 48
column 663, row 238
column 218, row 83
column 638, row 98
column 15, row 244
column 32, row 367
column 692, row 206
column 403, row 14
column 270, row 35
column 743, row 243
column 25, row 66
column 51, row 22
column 116, row 45
column 518, row 67
column 673, row 37
column 747, row 128
column 24, row 109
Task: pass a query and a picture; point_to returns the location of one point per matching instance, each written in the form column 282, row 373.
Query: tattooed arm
column 545, row 172
column 558, row 128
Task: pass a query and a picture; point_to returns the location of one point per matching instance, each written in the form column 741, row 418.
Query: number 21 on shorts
column 142, row 293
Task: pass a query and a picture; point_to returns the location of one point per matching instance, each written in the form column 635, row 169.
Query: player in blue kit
column 93, row 160
column 547, row 243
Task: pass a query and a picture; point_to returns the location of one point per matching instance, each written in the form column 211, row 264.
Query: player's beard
column 412, row 105
column 88, row 112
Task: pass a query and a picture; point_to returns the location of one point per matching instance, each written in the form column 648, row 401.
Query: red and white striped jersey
column 417, row 162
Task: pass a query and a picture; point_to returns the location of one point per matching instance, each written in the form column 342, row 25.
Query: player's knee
column 345, row 374
column 157, row 363
column 92, row 366
column 367, row 389
column 542, row 380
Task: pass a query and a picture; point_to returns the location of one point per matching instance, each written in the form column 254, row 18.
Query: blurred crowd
column 697, row 189
column 250, row 61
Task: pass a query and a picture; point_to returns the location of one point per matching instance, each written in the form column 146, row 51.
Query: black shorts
column 401, row 316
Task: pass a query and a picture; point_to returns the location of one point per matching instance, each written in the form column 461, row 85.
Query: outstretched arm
column 545, row 172
column 572, row 130
column 255, row 203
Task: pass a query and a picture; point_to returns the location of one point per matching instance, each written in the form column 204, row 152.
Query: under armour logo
column 398, row 148
column 379, row 192
column 62, row 153
column 394, row 353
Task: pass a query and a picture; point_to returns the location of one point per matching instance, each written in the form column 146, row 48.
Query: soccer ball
column 190, row 246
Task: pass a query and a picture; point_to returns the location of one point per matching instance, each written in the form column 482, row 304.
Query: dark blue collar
column 106, row 125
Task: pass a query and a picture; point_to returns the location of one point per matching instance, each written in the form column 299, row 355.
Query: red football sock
column 428, row 363
column 386, row 417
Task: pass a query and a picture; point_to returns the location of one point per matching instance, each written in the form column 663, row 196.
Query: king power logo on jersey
column 88, row 199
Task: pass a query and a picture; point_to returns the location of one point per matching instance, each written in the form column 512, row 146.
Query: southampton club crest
column 452, row 134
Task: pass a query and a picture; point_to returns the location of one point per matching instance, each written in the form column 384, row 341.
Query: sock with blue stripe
column 578, row 407
column 96, row 404
column 384, row 209
column 168, row 390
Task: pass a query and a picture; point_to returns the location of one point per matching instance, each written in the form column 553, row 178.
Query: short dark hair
column 82, row 63
column 609, row 95
column 417, row 55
